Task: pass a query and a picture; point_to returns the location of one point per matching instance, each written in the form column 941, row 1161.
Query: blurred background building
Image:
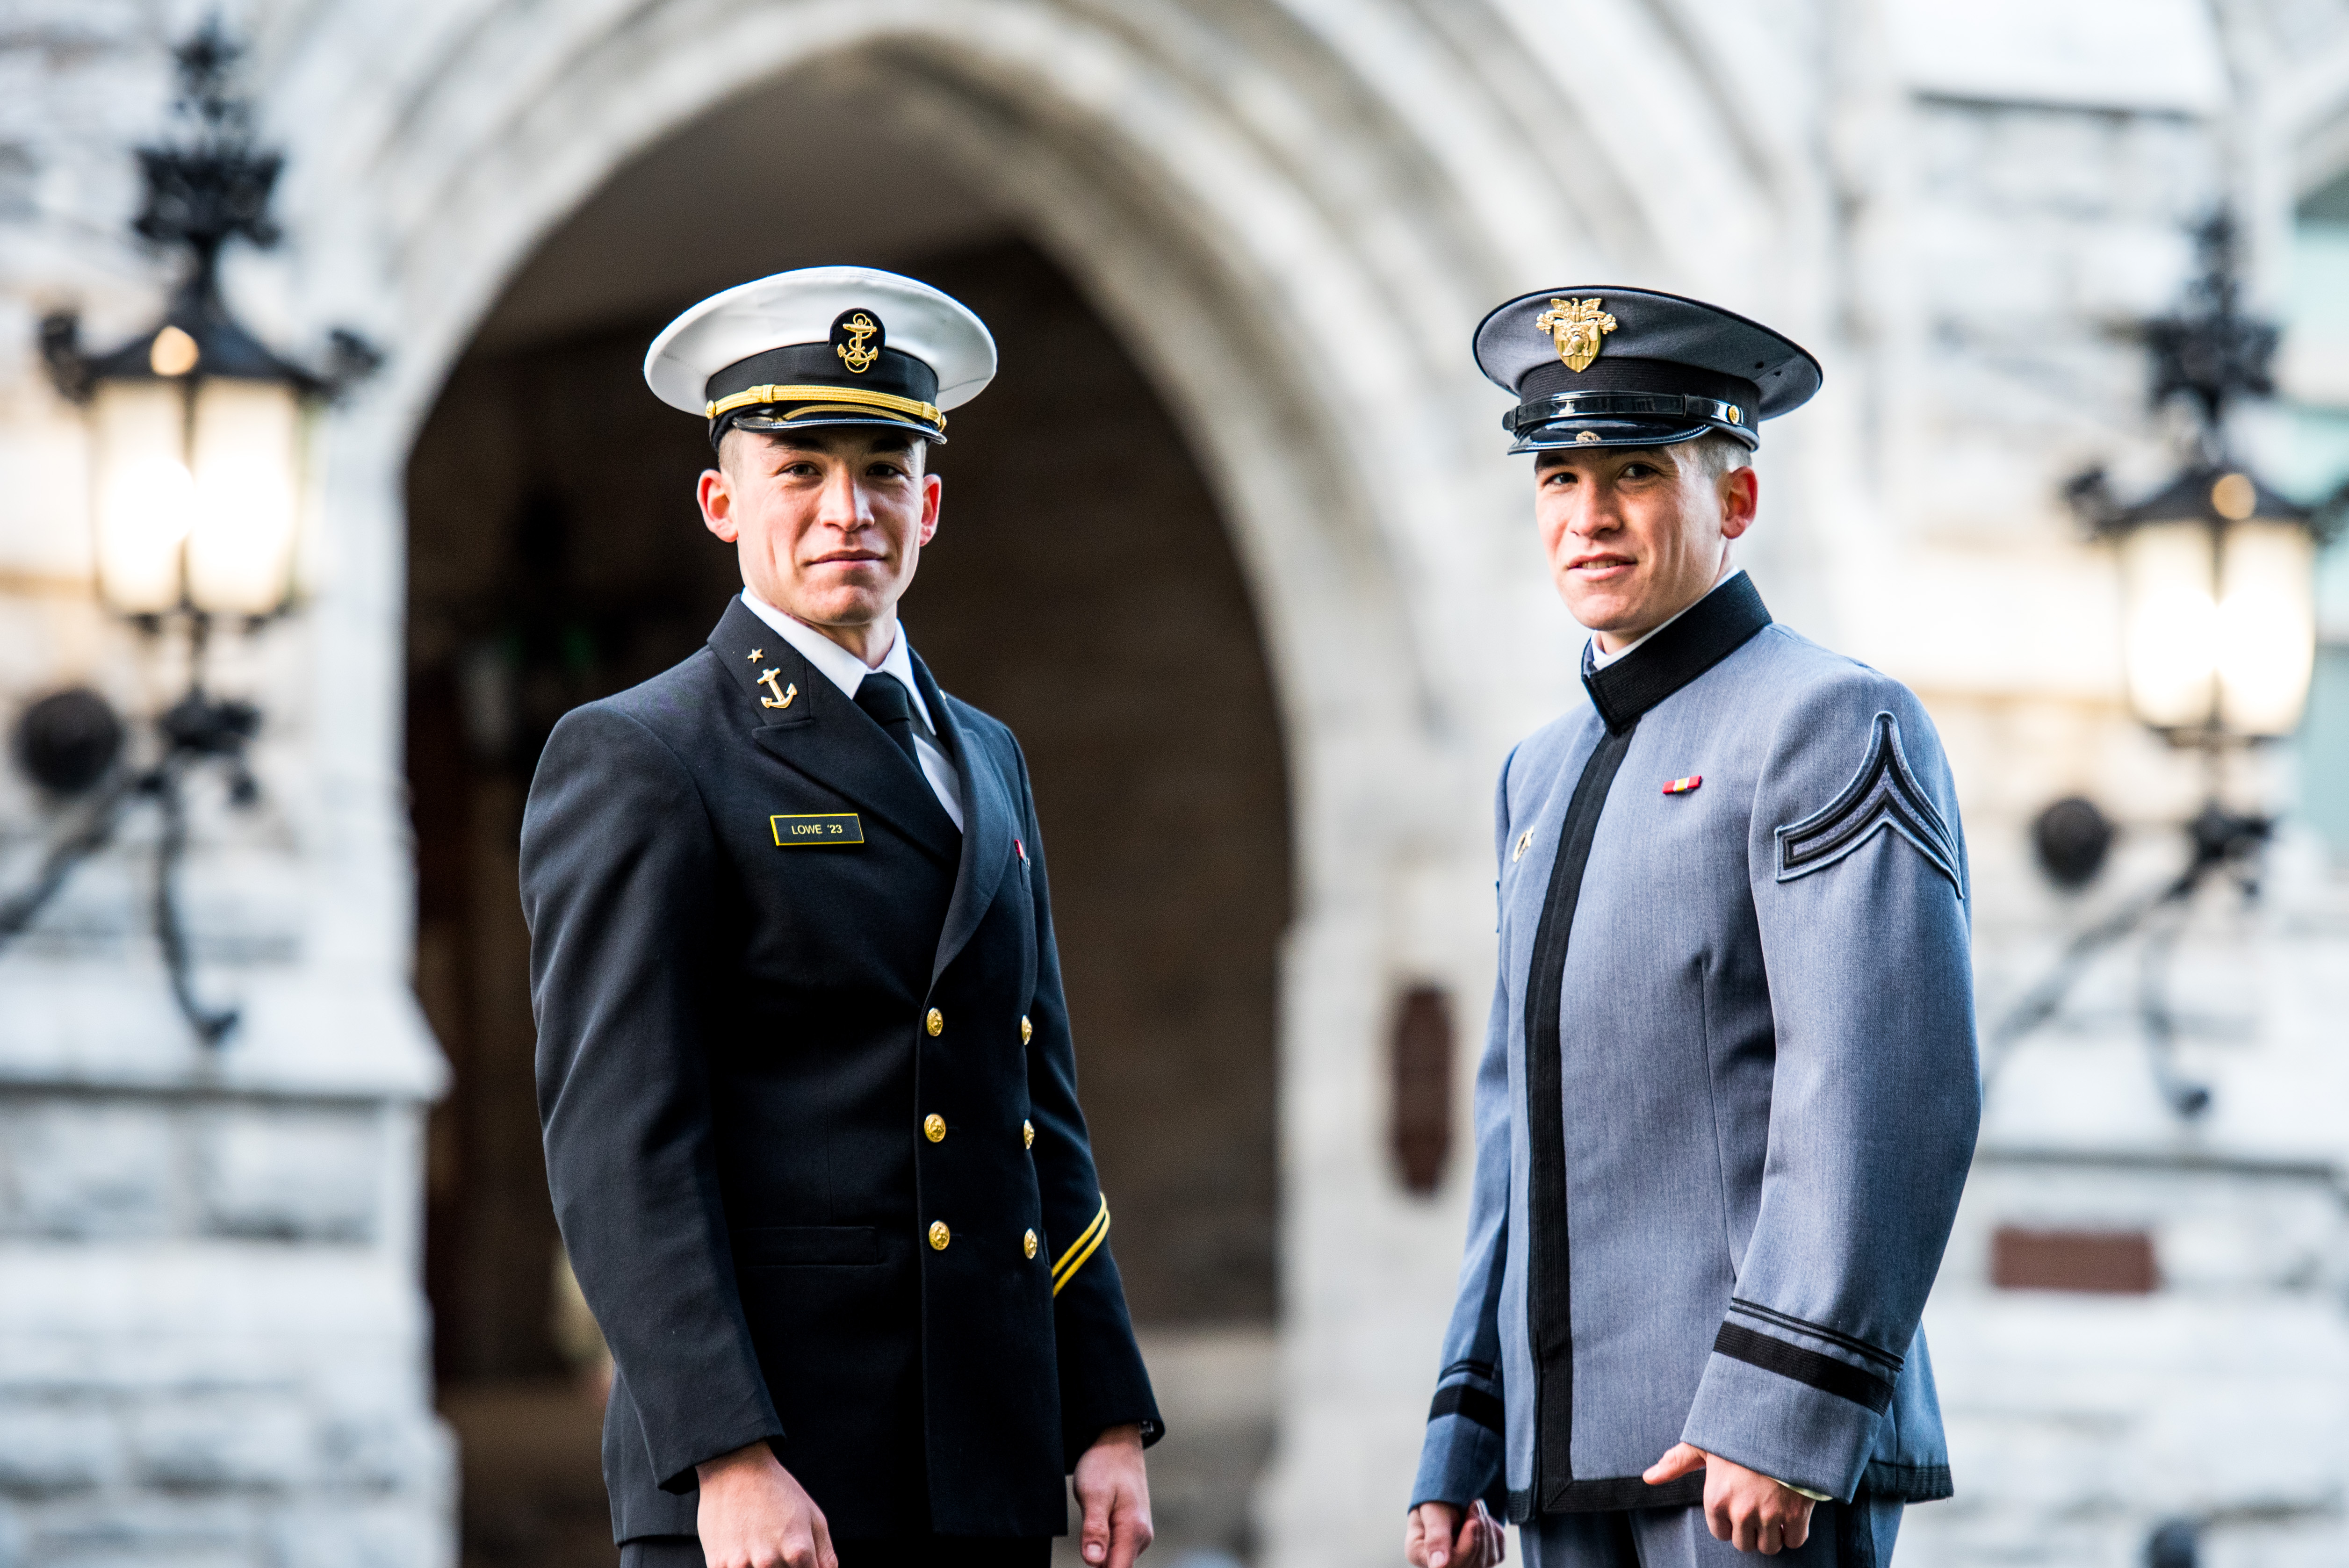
column 1232, row 545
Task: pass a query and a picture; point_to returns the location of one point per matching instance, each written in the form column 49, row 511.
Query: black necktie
column 891, row 706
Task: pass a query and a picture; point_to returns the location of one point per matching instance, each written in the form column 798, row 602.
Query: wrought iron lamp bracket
column 2213, row 357
column 210, row 188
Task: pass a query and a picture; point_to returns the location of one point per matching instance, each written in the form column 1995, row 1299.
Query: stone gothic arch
column 1293, row 217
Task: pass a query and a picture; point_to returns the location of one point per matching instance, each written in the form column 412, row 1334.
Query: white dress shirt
column 1600, row 658
column 847, row 672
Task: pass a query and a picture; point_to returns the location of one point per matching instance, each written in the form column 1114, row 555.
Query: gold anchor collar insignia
column 1578, row 327
column 780, row 698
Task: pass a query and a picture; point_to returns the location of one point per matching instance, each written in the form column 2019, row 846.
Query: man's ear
column 1741, row 498
column 933, row 496
column 715, row 492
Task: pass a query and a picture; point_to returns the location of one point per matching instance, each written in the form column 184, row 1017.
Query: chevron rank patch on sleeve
column 1884, row 794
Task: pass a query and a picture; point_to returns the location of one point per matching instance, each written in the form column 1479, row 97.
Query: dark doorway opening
column 1082, row 588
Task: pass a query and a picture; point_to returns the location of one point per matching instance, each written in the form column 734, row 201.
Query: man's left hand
column 1116, row 1495
column 1743, row 1507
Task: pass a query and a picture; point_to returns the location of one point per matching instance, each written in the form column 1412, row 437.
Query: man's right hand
column 754, row 1515
column 1438, row 1535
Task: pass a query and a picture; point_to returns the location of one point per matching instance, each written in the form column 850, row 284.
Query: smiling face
column 828, row 523
column 1635, row 535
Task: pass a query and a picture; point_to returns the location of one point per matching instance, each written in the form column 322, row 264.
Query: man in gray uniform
column 1728, row 1096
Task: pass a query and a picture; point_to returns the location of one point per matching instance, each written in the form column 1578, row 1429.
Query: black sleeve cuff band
column 1824, row 1372
column 1470, row 1405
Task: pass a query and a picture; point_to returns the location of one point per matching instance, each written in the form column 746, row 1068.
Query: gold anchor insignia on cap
column 781, row 698
column 855, row 353
column 1578, row 327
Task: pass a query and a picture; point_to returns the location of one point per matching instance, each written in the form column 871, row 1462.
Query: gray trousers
column 1843, row 1535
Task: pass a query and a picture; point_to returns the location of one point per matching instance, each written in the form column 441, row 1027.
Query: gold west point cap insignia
column 1578, row 327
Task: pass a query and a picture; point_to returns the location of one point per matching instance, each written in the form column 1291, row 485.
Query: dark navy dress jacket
column 810, row 1103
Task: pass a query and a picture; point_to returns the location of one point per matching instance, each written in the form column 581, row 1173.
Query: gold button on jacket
column 935, row 1023
column 1027, row 1135
column 1029, row 1243
column 940, row 1236
column 1027, row 1029
column 934, row 1127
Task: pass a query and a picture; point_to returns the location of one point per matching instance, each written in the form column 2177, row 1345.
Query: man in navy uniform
column 804, row 1065
column 1728, row 1096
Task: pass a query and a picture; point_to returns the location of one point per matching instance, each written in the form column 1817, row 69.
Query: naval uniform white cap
column 824, row 345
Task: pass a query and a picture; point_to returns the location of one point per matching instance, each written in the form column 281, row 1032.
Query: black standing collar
column 1708, row 632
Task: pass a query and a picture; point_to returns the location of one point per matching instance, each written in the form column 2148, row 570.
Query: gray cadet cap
column 1593, row 365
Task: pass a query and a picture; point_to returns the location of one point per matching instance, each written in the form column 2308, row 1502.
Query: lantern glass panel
column 2266, row 626
column 2171, row 628
column 246, row 452
column 146, row 498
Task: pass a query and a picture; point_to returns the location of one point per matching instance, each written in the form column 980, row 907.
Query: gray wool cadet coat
column 1729, row 1094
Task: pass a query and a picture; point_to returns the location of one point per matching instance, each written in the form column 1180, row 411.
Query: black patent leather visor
column 770, row 420
column 1621, row 432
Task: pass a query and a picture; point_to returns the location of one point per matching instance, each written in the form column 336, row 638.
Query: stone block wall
column 2023, row 222
column 210, row 1333
column 212, row 1344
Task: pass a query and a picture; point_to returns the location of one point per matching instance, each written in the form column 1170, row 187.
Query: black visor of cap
column 893, row 371
column 1596, row 432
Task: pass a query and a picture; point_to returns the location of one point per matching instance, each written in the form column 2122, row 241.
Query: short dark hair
column 1718, row 453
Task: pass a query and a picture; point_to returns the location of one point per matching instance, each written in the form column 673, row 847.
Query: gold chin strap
column 853, row 397
column 1080, row 1249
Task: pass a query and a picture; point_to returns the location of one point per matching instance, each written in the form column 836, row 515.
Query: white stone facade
column 212, row 1337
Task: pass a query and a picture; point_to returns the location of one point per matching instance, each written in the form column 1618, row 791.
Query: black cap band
column 786, row 389
column 1641, row 376
column 1672, row 406
column 816, row 365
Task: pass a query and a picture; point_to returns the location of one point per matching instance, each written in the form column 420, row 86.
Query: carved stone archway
column 1292, row 219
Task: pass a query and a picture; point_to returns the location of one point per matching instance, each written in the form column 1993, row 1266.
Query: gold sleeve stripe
column 887, row 401
column 1100, row 1223
column 1081, row 1248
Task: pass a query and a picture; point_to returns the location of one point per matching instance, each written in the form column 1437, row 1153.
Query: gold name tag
column 835, row 827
